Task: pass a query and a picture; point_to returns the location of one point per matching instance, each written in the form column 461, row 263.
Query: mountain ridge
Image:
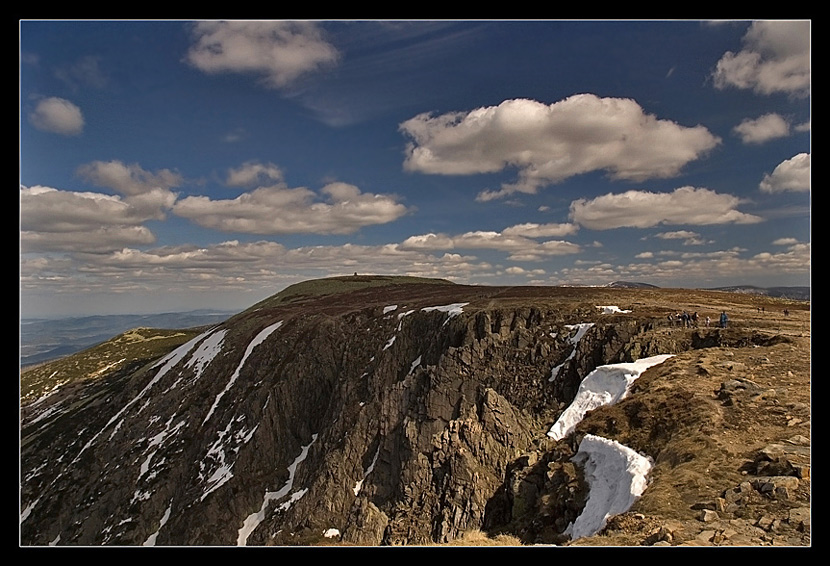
column 414, row 414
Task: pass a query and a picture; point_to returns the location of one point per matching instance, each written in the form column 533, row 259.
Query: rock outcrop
column 393, row 415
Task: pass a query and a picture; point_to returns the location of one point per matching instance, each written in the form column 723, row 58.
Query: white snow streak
column 581, row 329
column 206, row 351
column 156, row 442
column 151, row 540
column 415, row 364
column 254, row 343
column 401, row 316
column 169, row 362
column 616, row 476
column 454, row 309
column 49, row 393
column 390, row 308
column 255, row 519
column 228, row 441
column 603, row 386
column 25, row 513
column 359, row 485
column 611, row 310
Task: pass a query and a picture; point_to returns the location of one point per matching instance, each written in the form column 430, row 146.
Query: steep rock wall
column 401, row 426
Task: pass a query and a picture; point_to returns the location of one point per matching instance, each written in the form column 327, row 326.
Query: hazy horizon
column 52, row 315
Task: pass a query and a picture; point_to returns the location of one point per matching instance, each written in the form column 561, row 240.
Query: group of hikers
column 692, row 320
column 687, row 320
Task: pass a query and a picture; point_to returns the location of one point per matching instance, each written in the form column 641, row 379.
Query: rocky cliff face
column 395, row 415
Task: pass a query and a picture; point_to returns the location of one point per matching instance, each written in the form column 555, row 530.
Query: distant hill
column 44, row 339
column 794, row 293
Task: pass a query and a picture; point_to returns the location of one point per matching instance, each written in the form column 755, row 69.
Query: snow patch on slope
column 254, row 519
column 207, row 350
column 611, row 310
column 220, row 456
column 151, row 540
column 359, row 485
column 169, row 362
column 616, row 476
column 581, row 329
column 604, row 386
column 259, row 339
column 414, row 364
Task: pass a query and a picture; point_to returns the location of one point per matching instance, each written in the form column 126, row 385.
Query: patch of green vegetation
column 342, row 284
column 138, row 344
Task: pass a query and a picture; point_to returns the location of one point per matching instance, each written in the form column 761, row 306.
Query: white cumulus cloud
column 56, row 220
column 764, row 128
column 550, row 143
column 58, row 116
column 644, row 209
column 775, row 58
column 533, row 230
column 281, row 210
column 126, row 179
column 149, row 194
column 519, row 247
column 790, row 175
column 75, row 221
column 278, row 51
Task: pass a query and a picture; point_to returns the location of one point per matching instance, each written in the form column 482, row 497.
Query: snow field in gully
column 616, row 475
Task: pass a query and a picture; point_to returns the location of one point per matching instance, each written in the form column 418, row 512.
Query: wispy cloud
column 689, row 238
column 381, row 67
column 233, row 265
column 85, row 72
column 695, row 269
column 254, row 173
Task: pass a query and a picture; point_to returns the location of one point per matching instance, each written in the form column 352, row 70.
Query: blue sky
column 173, row 165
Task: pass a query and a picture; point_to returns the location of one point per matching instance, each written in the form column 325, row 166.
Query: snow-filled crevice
column 616, row 477
column 253, row 344
column 579, row 334
column 605, row 385
column 254, row 519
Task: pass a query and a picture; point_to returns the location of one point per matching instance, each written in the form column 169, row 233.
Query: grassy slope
column 334, row 285
column 97, row 361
